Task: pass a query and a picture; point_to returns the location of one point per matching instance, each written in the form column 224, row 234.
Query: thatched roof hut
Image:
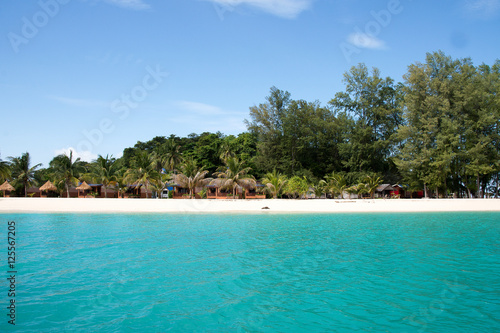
column 84, row 187
column 6, row 187
column 48, row 186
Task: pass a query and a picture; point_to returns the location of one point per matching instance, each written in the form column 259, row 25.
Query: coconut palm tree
column 274, row 182
column 67, row 170
column 158, row 181
column 336, row 184
column 191, row 177
column 171, row 154
column 22, row 172
column 371, row 184
column 142, row 170
column 234, row 174
column 104, row 170
column 4, row 171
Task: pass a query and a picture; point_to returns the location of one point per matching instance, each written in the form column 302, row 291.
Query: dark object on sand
column 266, row 207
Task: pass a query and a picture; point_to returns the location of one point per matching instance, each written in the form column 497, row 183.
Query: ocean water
column 254, row 273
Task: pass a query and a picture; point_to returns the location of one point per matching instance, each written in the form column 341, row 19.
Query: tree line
column 436, row 131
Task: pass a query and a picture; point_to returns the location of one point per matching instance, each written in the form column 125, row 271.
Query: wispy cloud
column 484, row 9
column 204, row 117
column 86, row 156
column 130, row 4
column 199, row 108
column 365, row 41
column 78, row 102
column 282, row 8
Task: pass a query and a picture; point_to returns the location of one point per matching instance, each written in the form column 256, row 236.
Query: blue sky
column 97, row 76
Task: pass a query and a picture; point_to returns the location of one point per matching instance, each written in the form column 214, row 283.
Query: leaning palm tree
column 142, row 170
column 22, row 172
column 67, row 170
column 104, row 170
column 274, row 182
column 234, row 175
column 191, row 177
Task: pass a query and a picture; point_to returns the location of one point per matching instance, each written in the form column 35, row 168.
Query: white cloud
column 130, row 4
column 83, row 155
column 282, row 8
column 199, row 108
column 482, row 8
column 365, row 41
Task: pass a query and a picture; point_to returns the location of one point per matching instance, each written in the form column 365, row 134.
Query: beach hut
column 48, row 186
column 84, row 187
column 255, row 193
column 6, row 188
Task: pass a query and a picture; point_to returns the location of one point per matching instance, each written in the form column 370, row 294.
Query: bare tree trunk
column 67, row 190
column 478, row 186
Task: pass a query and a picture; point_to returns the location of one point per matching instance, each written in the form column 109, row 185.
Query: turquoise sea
column 423, row 272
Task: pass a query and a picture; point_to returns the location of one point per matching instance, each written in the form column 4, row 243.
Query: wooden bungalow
column 7, row 189
column 136, row 191
column 179, row 192
column 255, row 193
column 389, row 191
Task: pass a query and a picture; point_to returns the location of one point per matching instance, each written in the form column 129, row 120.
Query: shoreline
column 113, row 205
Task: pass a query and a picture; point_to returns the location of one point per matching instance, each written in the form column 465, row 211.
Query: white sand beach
column 75, row 205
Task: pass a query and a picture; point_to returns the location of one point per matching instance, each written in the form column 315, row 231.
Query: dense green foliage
column 437, row 131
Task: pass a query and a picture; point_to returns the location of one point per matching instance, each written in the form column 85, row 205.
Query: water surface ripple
column 257, row 273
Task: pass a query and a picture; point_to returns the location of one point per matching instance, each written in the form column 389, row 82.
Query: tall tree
column 67, row 170
column 267, row 123
column 173, row 156
column 371, row 113
column 22, row 171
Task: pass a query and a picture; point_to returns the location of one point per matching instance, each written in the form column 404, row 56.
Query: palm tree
column 22, row 172
column 142, row 170
column 371, row 184
column 4, row 171
column 274, row 182
column 172, row 155
column 234, row 175
column 191, row 176
column 158, row 182
column 105, row 170
column 225, row 151
column 67, row 170
column 336, row 184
